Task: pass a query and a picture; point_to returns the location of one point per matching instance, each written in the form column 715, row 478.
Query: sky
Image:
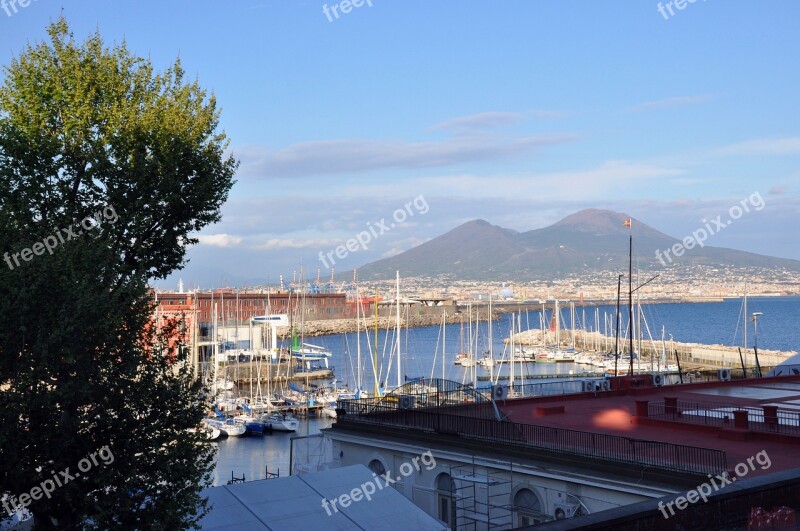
column 396, row 121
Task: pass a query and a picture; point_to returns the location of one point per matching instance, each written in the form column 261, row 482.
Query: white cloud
column 292, row 243
column 608, row 179
column 764, row 146
column 403, row 245
column 666, row 103
column 219, row 240
column 483, row 120
column 334, row 157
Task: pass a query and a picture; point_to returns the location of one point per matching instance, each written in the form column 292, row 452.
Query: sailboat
column 308, row 353
column 280, row 421
column 557, row 353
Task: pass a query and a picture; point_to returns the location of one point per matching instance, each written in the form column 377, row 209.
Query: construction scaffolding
column 482, row 498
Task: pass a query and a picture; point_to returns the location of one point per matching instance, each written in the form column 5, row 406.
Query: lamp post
column 754, row 318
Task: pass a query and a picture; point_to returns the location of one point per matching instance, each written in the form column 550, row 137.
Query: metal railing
column 586, row 445
column 721, row 415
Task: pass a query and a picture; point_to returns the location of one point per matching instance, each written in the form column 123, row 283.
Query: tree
column 106, row 169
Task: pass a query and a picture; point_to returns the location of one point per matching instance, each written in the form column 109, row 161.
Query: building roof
column 699, row 420
column 674, row 433
column 295, row 503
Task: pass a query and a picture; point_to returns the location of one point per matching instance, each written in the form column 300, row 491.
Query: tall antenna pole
column 630, row 291
column 744, row 323
column 616, row 336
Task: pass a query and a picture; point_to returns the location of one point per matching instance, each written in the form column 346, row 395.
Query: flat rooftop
column 679, row 432
column 702, row 415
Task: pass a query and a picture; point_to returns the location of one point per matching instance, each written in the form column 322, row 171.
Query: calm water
column 708, row 323
column 251, row 457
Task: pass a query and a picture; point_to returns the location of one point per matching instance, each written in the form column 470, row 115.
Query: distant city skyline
column 519, row 115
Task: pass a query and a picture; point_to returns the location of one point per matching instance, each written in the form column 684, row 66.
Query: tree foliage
column 90, row 131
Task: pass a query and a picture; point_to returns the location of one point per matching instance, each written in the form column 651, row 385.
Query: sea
column 429, row 352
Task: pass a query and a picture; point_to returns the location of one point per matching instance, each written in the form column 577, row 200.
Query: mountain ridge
column 590, row 240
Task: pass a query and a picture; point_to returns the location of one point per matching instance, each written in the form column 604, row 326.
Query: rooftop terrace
column 692, row 429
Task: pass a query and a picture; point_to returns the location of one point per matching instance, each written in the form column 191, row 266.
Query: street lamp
column 754, row 317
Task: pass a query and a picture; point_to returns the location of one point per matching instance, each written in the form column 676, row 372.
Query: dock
column 247, row 373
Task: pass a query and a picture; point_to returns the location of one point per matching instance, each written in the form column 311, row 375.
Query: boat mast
column 558, row 326
column 375, row 354
column 358, row 338
column 444, row 340
column 744, row 322
column 572, row 320
column 216, row 349
column 491, row 349
column 397, row 324
column 511, row 357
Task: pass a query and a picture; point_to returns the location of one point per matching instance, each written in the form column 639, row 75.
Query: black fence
column 766, row 419
column 465, row 423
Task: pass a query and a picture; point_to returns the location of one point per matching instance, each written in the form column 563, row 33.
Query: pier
column 691, row 355
column 247, row 373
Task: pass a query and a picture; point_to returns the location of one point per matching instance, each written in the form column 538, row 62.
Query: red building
column 239, row 306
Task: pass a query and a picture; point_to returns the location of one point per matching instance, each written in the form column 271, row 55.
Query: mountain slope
column 589, row 240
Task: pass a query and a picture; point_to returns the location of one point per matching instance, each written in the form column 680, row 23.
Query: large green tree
column 106, row 169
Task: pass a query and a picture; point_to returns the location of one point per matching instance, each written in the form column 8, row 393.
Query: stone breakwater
column 344, row 326
column 709, row 355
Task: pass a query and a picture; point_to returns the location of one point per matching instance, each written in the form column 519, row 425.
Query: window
column 527, row 508
column 445, row 499
column 376, row 466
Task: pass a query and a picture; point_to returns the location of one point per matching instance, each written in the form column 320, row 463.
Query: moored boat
column 280, row 422
column 229, row 427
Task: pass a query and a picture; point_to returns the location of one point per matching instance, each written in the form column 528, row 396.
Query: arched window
column 376, row 466
column 528, row 508
column 446, row 499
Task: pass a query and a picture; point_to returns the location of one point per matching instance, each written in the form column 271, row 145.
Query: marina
column 423, row 356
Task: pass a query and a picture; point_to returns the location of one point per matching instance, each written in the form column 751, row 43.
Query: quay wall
column 691, row 353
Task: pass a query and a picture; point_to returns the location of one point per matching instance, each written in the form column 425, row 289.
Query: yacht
column 280, row 422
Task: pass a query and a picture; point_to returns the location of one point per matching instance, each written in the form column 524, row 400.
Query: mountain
column 587, row 241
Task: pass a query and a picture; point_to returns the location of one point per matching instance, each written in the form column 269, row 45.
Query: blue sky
column 516, row 112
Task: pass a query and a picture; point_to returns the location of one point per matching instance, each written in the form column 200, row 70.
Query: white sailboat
column 229, row 427
column 280, row 422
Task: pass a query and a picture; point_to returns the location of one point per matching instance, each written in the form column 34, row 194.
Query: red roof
column 701, row 424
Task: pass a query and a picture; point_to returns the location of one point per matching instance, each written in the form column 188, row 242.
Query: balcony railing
column 763, row 418
column 585, row 445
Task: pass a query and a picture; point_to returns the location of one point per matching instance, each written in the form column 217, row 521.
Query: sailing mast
column 511, row 357
column 397, row 323
column 444, row 340
column 358, row 342
column 491, row 347
column 558, row 327
column 744, row 324
column 375, row 354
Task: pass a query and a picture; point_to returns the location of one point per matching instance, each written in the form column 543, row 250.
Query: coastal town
column 428, row 266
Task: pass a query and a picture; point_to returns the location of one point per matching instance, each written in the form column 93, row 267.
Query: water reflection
column 253, row 456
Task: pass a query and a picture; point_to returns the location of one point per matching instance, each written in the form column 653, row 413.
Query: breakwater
column 691, row 353
column 368, row 324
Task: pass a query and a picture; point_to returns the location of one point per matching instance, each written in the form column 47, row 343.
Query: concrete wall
column 552, row 487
